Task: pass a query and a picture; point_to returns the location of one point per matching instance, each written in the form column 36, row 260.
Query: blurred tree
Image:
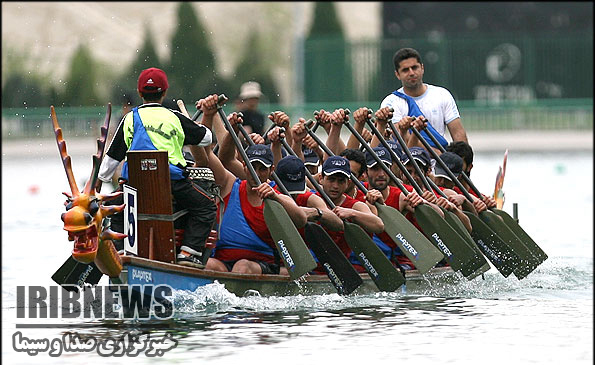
column 21, row 91
column 326, row 58
column 253, row 67
column 326, row 22
column 81, row 80
column 191, row 72
column 22, row 87
column 146, row 57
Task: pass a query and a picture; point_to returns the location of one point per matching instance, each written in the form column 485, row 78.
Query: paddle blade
column 342, row 274
column 409, row 239
column 528, row 262
column 521, row 234
column 293, row 251
column 499, row 254
column 470, row 271
column 381, row 270
column 498, row 192
column 73, row 274
column 457, row 253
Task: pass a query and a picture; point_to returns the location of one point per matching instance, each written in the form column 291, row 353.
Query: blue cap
column 261, row 153
column 382, row 153
column 396, row 147
column 292, row 173
column 336, row 164
column 310, row 157
column 420, row 155
column 454, row 163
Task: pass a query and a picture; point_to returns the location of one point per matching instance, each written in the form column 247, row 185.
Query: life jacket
column 414, row 111
column 142, row 142
column 236, row 239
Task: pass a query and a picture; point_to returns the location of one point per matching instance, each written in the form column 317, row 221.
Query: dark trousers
column 201, row 215
column 197, row 223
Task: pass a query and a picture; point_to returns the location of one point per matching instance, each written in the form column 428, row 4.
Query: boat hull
column 141, row 271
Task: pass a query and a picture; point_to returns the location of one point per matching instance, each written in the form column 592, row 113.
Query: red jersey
column 254, row 215
column 359, row 195
column 393, row 201
column 471, row 192
column 339, row 236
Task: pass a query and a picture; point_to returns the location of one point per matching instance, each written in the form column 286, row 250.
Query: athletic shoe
column 190, row 257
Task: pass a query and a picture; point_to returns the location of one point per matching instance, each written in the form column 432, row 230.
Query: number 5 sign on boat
column 130, row 241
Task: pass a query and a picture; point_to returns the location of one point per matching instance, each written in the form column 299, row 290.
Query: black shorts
column 266, row 267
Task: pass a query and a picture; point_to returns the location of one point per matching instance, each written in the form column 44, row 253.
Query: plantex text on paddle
column 100, row 302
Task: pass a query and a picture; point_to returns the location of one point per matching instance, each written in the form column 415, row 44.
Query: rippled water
column 546, row 318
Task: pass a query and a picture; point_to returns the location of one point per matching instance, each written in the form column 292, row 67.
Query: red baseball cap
column 152, row 80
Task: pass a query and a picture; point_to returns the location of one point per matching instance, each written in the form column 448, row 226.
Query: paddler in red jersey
column 380, row 191
column 245, row 244
column 336, row 173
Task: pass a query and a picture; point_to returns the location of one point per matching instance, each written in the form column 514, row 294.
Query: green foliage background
column 191, row 69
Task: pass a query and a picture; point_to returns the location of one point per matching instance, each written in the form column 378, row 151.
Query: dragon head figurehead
column 84, row 209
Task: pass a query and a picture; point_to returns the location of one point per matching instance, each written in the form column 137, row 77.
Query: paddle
column 510, row 221
column 291, row 247
column 489, row 243
column 498, row 192
column 338, row 268
column 381, row 270
column 478, row 263
column 408, row 238
column 74, row 274
column 527, row 261
column 436, row 229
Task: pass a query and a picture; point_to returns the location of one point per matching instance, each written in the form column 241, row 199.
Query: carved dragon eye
column 88, row 218
column 68, row 204
column 93, row 207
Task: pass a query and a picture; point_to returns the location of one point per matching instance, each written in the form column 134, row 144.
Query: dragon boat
column 150, row 242
column 142, row 271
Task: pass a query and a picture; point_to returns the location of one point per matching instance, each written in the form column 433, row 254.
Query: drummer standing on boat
column 418, row 100
column 152, row 126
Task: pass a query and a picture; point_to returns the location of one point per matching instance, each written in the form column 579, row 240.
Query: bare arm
column 328, row 219
column 295, row 212
column 281, row 119
column 227, row 149
column 275, row 136
column 362, row 215
column 223, row 177
column 457, row 131
column 298, row 132
column 359, row 118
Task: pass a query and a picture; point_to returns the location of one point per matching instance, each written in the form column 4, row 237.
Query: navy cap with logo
column 396, row 147
column 292, row 173
column 261, row 153
column 380, row 152
column 420, row 155
column 310, row 157
column 454, row 163
column 336, row 165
